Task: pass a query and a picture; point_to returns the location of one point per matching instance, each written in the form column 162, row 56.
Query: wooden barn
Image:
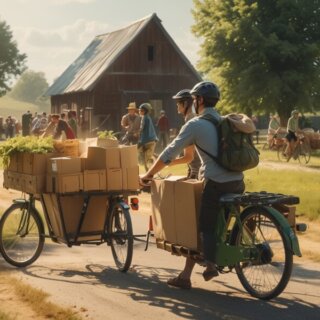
column 139, row 63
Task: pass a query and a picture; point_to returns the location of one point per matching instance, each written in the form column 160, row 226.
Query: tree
column 30, row 87
column 12, row 63
column 264, row 54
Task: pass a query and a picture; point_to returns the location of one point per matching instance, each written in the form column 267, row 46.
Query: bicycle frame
column 229, row 254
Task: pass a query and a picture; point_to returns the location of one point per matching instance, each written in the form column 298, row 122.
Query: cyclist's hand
column 145, row 180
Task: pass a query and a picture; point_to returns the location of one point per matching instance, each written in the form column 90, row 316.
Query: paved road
column 86, row 277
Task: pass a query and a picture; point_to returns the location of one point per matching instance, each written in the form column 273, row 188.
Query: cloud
column 54, row 49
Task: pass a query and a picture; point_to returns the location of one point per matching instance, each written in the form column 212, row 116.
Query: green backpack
column 236, row 151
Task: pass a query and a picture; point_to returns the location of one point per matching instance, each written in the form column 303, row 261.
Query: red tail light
column 134, row 203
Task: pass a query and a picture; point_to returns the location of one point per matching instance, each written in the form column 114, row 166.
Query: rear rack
column 258, row 198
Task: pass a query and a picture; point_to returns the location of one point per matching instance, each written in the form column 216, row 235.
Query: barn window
column 150, row 53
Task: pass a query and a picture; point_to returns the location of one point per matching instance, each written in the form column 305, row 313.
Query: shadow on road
column 147, row 285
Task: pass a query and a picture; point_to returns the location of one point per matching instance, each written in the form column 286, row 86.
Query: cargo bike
column 22, row 228
column 255, row 239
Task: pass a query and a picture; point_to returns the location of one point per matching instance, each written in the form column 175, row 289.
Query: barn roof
column 87, row 69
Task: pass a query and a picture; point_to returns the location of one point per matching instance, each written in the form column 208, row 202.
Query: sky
column 53, row 33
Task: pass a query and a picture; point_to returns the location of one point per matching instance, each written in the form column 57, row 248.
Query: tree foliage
column 264, row 54
column 12, row 63
column 30, row 87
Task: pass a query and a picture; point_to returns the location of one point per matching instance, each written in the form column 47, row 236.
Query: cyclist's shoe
column 210, row 273
column 178, row 282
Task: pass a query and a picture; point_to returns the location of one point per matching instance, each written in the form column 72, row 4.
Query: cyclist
column 217, row 180
column 184, row 107
column 292, row 131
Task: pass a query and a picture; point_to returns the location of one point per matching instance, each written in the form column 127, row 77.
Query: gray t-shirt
column 201, row 132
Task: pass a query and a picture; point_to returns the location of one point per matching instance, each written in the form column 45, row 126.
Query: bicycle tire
column 121, row 236
column 304, row 153
column 281, row 153
column 21, row 238
column 268, row 275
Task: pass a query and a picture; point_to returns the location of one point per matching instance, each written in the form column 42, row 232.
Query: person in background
column 10, row 127
column 63, row 116
column 292, row 131
column 72, row 121
column 59, row 129
column 130, row 122
column 190, row 156
column 26, row 123
column 148, row 138
column 217, row 180
column 163, row 129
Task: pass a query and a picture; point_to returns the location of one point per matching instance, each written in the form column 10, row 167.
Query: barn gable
column 140, row 62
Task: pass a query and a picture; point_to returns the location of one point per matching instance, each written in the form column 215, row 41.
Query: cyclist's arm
column 187, row 157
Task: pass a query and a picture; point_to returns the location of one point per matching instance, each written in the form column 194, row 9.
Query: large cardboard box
column 62, row 183
column 162, row 205
column 187, row 196
column 94, row 180
column 175, row 210
column 130, row 178
column 70, row 214
column 129, row 156
column 114, row 179
column 101, row 158
column 63, row 165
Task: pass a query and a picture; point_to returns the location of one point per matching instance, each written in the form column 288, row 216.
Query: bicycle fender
column 124, row 205
column 287, row 230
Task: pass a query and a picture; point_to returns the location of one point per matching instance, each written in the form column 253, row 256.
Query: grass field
column 15, row 108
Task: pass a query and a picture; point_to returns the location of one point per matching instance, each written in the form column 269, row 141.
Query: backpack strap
column 215, row 122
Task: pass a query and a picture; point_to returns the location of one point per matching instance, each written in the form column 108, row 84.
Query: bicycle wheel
column 304, row 153
column 281, row 153
column 121, row 237
column 21, row 235
column 267, row 275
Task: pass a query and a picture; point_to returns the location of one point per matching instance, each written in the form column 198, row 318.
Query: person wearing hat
column 148, row 137
column 130, row 122
column 292, row 131
column 163, row 129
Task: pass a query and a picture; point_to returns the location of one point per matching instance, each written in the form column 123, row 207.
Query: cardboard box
column 94, row 180
column 187, row 196
column 35, row 163
column 114, row 179
column 162, row 205
column 64, row 165
column 129, row 156
column 175, row 210
column 53, row 212
column 70, row 214
column 101, row 158
column 67, row 182
column 130, row 178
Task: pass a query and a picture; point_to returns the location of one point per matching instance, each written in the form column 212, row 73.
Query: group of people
column 56, row 125
column 140, row 129
column 290, row 133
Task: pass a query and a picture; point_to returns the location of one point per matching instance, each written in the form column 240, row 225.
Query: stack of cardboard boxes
column 101, row 169
column 175, row 211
